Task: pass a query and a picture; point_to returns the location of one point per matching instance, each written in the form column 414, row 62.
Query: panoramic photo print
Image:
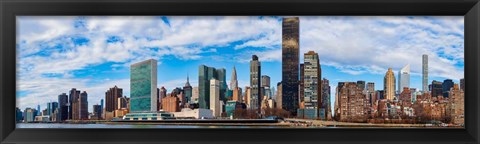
column 240, row 72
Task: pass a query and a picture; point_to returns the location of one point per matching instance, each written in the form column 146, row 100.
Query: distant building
column 325, row 93
column 361, row 85
column 237, row 94
column 424, row 73
column 83, row 103
column 73, row 96
column 312, row 86
column 290, row 63
column 143, row 86
column 111, row 97
column 215, row 97
column 171, row 104
column 389, row 84
column 436, row 88
column 462, row 84
column 18, row 115
column 231, row 106
column 351, row 103
column 187, row 90
column 246, row 96
column 265, row 81
column 404, row 78
column 97, row 112
column 406, row 95
column 301, row 88
column 193, row 113
column 30, row 115
column 371, row 92
column 255, row 83
column 279, row 97
column 122, row 102
column 205, row 74
column 195, row 95
column 457, row 105
column 446, row 86
column 233, row 79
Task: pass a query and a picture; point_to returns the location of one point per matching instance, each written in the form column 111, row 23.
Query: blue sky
column 55, row 54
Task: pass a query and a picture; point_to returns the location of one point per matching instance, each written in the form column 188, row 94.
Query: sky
column 93, row 54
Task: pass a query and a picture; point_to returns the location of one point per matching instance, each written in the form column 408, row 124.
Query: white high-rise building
column 425, row 73
column 404, row 78
column 215, row 97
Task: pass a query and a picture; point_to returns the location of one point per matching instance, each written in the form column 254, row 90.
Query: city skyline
column 96, row 77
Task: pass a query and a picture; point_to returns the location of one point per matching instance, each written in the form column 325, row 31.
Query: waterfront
column 108, row 126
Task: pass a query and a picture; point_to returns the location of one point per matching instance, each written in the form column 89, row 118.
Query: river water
column 108, row 126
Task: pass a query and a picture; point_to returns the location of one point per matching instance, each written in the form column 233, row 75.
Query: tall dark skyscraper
column 83, row 100
column 72, row 98
column 205, row 74
column 436, row 88
column 111, row 98
column 446, row 86
column 462, row 84
column 255, row 83
column 290, row 63
column 63, row 107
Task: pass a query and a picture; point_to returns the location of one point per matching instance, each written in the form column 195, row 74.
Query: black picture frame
column 9, row 9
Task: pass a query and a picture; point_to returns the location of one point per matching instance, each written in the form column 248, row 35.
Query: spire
column 188, row 81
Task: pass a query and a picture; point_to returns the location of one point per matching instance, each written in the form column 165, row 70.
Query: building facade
column 215, row 97
column 143, row 86
column 424, row 73
column 312, row 85
column 290, row 63
column 404, row 78
column 389, row 84
column 255, row 83
column 111, row 98
column 205, row 74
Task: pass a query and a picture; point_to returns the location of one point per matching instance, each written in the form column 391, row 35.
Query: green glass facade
column 143, row 82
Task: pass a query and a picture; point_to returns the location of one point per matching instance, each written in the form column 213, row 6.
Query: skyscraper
column 222, row 78
column 446, row 86
column 255, row 83
column 233, row 80
column 195, row 94
column 279, row 96
column 265, row 81
column 371, row 92
column 72, row 98
column 187, row 89
column 215, row 97
column 97, row 111
column 83, row 103
column 436, row 88
column 290, row 63
column 462, row 84
column 143, row 86
column 325, row 98
column 312, row 85
column 111, row 97
column 361, row 84
column 404, row 78
column 389, row 84
column 63, row 107
column 301, row 89
column 205, row 74
column 424, row 73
